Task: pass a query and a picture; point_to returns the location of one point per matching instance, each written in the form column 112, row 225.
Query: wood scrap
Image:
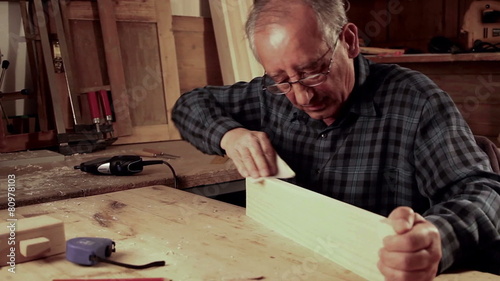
column 381, row 51
column 38, row 237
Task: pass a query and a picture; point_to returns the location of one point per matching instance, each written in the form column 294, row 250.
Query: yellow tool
column 482, row 22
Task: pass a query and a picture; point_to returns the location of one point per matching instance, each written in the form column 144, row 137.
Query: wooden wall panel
column 149, row 61
column 408, row 23
column 142, row 68
column 371, row 19
column 236, row 58
column 474, row 86
column 197, row 58
column 417, row 23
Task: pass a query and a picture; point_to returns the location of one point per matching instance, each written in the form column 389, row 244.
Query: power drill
column 122, row 165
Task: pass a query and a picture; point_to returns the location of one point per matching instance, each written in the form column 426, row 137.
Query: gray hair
column 330, row 15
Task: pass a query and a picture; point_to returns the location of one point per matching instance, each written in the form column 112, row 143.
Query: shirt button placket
column 322, row 145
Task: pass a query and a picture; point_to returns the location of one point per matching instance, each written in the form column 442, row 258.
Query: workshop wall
column 407, row 23
column 13, row 41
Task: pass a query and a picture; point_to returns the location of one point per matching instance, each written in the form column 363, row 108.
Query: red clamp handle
column 95, row 113
column 106, row 104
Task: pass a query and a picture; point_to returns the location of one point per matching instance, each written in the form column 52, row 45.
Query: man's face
column 293, row 49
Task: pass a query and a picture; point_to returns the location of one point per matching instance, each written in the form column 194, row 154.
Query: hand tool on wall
column 482, row 22
column 5, row 65
column 43, row 33
column 149, row 152
column 10, row 127
column 95, row 100
column 108, row 114
column 95, row 112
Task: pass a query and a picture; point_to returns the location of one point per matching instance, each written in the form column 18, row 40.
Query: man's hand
column 414, row 252
column 251, row 152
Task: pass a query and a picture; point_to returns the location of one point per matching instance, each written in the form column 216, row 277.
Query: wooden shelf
column 429, row 58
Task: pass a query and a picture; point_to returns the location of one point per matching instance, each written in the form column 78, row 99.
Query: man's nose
column 303, row 94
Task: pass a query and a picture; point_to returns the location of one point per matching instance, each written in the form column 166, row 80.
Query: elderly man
column 380, row 137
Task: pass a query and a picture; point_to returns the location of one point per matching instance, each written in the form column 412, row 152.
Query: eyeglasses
column 309, row 81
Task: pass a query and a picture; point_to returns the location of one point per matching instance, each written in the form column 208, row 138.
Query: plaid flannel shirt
column 399, row 141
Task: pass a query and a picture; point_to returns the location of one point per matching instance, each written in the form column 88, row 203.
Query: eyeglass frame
column 265, row 88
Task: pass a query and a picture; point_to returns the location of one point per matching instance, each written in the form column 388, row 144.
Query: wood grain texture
column 344, row 234
column 199, row 239
column 347, row 235
column 29, row 158
column 148, row 52
column 26, row 231
column 113, row 55
column 197, row 58
column 236, row 58
column 408, row 23
column 46, row 182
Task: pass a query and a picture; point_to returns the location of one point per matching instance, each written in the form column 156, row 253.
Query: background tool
column 108, row 114
column 149, row 152
column 5, row 65
column 95, row 110
column 482, row 22
column 10, row 127
column 122, row 165
column 90, row 251
column 95, row 113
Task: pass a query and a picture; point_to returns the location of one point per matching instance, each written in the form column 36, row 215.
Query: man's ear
column 350, row 38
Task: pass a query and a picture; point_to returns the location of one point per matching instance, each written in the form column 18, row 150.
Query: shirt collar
column 361, row 99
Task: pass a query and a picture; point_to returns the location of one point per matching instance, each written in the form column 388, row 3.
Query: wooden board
column 26, row 234
column 408, row 24
column 198, row 238
column 237, row 60
column 29, row 158
column 149, row 58
column 114, row 62
column 197, row 59
column 347, row 235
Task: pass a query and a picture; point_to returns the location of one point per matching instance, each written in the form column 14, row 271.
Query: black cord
column 481, row 46
column 176, row 183
column 133, row 266
column 154, row 162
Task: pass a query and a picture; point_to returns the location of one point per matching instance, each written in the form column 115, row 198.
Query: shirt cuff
column 215, row 131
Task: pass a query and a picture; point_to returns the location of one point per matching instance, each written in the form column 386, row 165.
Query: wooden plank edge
column 144, row 134
column 168, row 62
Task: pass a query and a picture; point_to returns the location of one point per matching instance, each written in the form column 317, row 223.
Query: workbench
column 56, row 180
column 199, row 239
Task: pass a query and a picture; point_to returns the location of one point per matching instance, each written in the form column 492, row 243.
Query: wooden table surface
column 38, row 183
column 199, row 239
